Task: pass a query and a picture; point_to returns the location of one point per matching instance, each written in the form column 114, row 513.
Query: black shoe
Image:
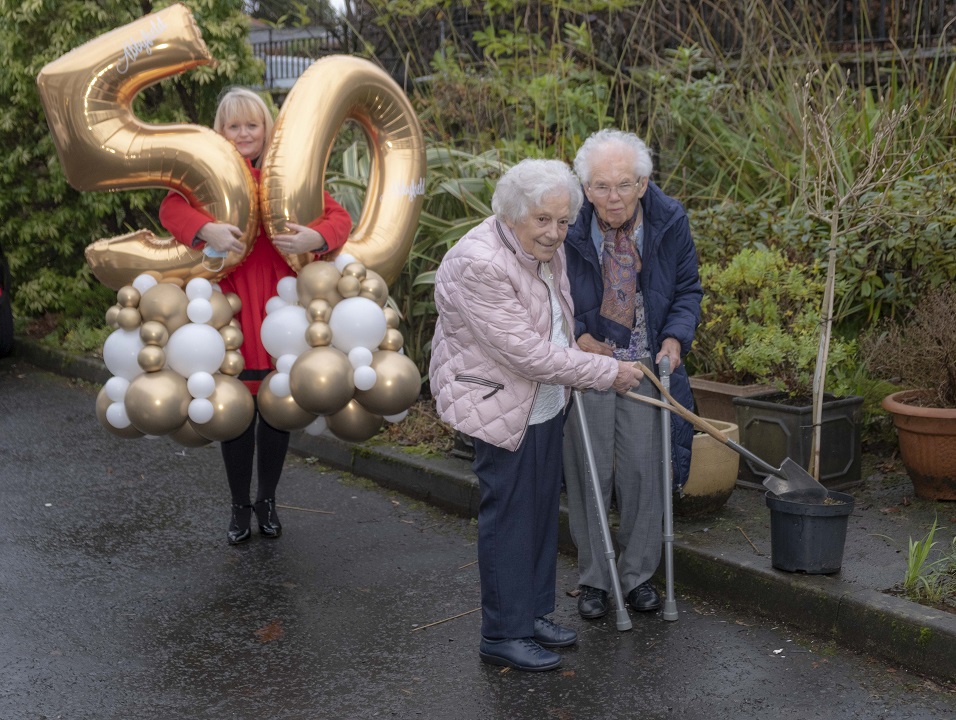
column 644, row 598
column 592, row 602
column 551, row 635
column 520, row 654
column 269, row 525
column 239, row 525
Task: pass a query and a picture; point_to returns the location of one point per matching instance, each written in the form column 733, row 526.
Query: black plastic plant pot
column 808, row 536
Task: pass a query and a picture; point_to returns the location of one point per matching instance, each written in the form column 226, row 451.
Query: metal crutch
column 670, row 605
column 623, row 619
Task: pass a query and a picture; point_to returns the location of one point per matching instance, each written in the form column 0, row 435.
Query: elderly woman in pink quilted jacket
column 503, row 362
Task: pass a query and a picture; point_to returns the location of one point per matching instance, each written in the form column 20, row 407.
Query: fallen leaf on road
column 270, row 632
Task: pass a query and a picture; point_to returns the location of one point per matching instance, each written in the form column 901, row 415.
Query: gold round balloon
column 102, row 402
column 165, row 303
column 128, row 296
column 154, row 333
column 88, row 95
column 187, row 436
column 129, row 318
column 318, row 281
column 348, row 286
column 319, row 310
column 354, row 423
column 321, row 380
column 233, row 410
column 157, row 402
column 151, row 358
column 231, row 337
column 318, row 334
column 392, row 318
column 221, row 310
column 393, row 340
column 331, row 91
column 397, row 386
column 374, row 288
column 111, row 315
column 235, row 302
column 281, row 413
column 355, row 269
column 233, row 363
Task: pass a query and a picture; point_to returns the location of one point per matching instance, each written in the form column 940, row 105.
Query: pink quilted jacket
column 492, row 341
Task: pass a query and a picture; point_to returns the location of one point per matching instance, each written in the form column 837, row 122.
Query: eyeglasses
column 624, row 190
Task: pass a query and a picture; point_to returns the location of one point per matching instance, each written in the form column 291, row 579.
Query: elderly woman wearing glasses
column 503, row 360
column 632, row 266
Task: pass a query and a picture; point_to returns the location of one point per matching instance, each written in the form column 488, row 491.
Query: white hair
column 523, row 188
column 608, row 138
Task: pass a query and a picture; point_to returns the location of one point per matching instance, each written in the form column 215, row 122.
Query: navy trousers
column 518, row 529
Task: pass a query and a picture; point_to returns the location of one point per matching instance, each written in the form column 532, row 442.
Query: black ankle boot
column 239, row 525
column 269, row 525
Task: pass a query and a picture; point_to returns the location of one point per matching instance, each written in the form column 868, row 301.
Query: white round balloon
column 116, row 388
column 284, row 363
column 283, row 331
column 144, row 282
column 357, row 322
column 286, row 290
column 195, row 348
column 317, row 426
column 199, row 310
column 274, row 303
column 199, row 288
column 201, row 384
column 201, row 410
column 364, row 378
column 279, row 385
column 396, row 418
column 344, row 259
column 120, row 353
column 360, row 357
column 116, row 416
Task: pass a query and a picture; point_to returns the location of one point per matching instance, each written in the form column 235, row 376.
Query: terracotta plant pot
column 713, row 473
column 927, row 438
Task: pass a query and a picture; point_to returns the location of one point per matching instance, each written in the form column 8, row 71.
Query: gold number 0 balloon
column 87, row 96
column 333, row 90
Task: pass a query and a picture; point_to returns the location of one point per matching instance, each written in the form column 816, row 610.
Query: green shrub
column 760, row 323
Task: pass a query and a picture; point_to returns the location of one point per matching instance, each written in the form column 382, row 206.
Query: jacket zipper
column 481, row 381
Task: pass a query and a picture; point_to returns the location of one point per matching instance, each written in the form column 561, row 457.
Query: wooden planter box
column 715, row 400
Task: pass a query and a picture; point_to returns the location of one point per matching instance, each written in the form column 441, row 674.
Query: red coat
column 255, row 279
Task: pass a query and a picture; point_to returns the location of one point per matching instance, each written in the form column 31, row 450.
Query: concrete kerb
column 900, row 631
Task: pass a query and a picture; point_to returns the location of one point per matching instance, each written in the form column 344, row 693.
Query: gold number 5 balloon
column 87, row 95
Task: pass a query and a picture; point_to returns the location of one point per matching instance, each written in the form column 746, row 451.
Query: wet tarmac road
column 120, row 599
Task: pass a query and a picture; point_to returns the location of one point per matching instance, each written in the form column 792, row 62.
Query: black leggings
column 237, row 455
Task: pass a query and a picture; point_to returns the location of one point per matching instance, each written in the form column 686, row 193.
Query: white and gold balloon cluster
column 338, row 353
column 174, row 356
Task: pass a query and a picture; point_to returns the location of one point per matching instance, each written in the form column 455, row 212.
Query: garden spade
column 787, row 478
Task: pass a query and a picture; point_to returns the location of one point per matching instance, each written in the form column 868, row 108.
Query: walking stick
column 670, row 605
column 623, row 619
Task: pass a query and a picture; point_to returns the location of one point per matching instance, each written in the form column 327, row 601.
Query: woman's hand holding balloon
column 299, row 239
column 221, row 237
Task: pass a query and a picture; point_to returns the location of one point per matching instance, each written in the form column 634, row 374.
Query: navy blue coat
column 672, row 293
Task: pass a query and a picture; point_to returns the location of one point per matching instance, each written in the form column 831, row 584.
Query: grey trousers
column 626, row 440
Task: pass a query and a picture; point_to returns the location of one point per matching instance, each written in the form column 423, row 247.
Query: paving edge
column 903, row 632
